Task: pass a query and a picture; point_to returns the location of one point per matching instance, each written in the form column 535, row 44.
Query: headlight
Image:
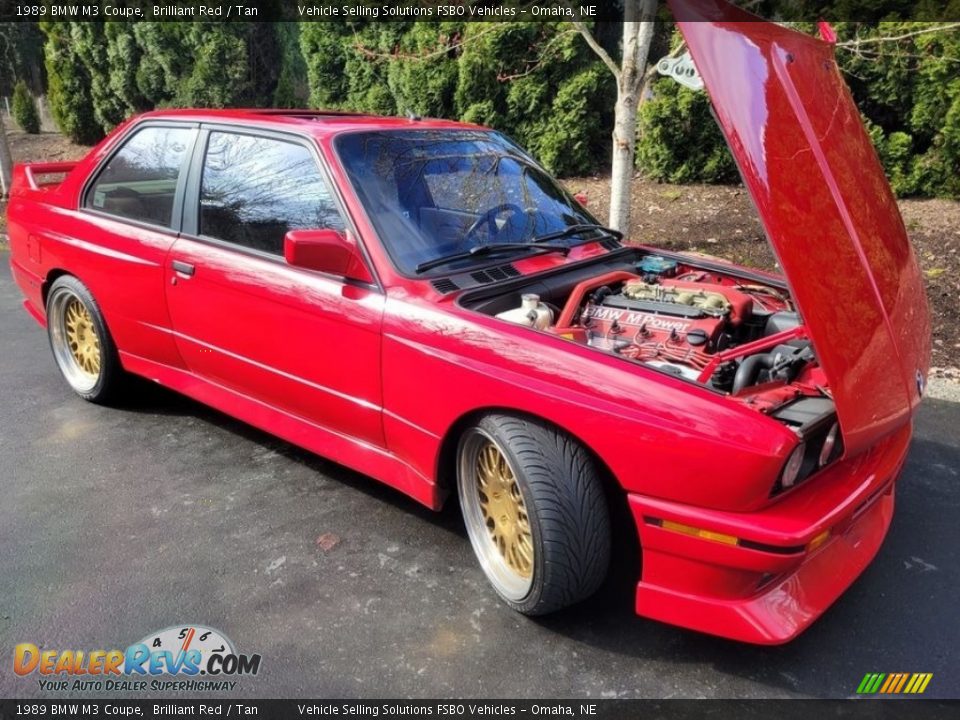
column 829, row 445
column 792, row 469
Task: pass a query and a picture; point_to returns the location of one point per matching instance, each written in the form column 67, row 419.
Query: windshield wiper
column 576, row 230
column 481, row 250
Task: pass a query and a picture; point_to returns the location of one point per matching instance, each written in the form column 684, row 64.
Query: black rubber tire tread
column 113, row 379
column 568, row 512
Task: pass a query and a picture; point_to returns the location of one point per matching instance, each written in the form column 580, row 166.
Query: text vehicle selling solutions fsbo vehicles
column 420, row 301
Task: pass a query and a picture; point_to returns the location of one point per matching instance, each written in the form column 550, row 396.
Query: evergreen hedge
column 908, row 93
column 537, row 82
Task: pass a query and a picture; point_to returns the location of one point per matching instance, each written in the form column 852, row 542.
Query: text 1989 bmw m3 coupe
column 420, row 301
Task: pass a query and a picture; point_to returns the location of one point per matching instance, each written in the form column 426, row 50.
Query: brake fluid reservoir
column 531, row 313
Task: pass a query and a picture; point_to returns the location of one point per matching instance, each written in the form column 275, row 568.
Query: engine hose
column 749, row 370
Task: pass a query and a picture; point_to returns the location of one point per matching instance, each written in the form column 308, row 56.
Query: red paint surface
column 826, row 206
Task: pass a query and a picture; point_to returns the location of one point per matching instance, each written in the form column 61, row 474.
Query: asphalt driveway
column 118, row 522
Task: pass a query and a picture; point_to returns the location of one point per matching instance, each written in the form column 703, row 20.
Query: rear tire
column 535, row 512
column 81, row 343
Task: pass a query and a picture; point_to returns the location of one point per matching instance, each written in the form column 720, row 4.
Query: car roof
column 319, row 123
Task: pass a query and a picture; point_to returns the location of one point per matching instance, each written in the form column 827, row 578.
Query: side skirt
column 362, row 457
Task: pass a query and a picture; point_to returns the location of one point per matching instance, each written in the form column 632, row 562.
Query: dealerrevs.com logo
column 197, row 657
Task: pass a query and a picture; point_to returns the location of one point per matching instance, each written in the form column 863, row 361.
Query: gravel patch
column 943, row 389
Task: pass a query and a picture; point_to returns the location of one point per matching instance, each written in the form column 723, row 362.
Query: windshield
column 437, row 193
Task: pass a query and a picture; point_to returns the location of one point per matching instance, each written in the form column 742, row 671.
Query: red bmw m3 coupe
column 420, row 301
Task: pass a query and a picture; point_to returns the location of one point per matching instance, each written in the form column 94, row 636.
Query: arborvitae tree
column 218, row 75
column 91, row 47
column 25, row 109
column 542, row 85
column 421, row 66
column 69, row 85
column 679, row 141
column 292, row 90
column 325, row 47
column 164, row 60
column 124, row 56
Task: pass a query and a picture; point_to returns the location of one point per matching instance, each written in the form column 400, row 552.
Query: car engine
column 672, row 325
column 702, row 326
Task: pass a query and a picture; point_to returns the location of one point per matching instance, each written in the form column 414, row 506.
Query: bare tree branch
column 597, row 48
column 856, row 43
column 543, row 54
column 420, row 57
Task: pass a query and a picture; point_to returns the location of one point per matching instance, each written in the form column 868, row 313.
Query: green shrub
column 423, row 77
column 202, row 64
column 569, row 139
column 89, row 41
column 24, row 109
column 218, row 77
column 679, row 140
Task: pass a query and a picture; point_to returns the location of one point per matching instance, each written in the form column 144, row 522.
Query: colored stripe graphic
column 903, row 679
column 892, row 680
column 923, row 682
column 894, row 683
column 870, row 683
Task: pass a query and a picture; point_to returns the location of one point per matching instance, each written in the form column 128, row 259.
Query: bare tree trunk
column 637, row 35
column 6, row 162
column 624, row 146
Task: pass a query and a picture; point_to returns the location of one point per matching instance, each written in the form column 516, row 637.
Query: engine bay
column 733, row 334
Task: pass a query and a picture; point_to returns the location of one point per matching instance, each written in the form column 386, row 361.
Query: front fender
column 660, row 436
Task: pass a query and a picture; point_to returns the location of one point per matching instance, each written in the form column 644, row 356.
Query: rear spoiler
column 31, row 175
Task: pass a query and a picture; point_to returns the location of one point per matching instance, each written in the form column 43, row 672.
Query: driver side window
column 256, row 189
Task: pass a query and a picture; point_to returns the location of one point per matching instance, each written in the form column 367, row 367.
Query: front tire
column 535, row 512
column 80, row 341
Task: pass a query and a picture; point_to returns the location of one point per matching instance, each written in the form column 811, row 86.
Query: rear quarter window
column 140, row 181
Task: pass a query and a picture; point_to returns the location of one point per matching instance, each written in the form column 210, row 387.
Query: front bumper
column 764, row 577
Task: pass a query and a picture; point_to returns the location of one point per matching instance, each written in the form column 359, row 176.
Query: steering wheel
column 489, row 218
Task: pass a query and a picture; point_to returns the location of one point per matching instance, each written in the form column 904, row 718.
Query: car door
column 128, row 220
column 300, row 341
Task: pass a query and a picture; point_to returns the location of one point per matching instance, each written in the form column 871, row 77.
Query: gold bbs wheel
column 534, row 511
column 503, row 509
column 496, row 515
column 82, row 337
column 78, row 337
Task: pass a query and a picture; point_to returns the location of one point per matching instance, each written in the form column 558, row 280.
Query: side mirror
column 328, row 251
column 581, row 197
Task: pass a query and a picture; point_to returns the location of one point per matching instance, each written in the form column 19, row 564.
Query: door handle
column 184, row 268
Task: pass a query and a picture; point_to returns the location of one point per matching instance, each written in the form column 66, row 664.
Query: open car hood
column 826, row 206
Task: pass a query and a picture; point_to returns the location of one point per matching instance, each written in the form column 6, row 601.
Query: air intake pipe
column 749, row 370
